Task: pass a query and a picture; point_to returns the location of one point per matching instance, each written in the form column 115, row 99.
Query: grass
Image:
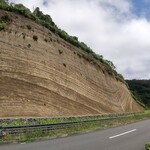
column 32, row 135
column 22, row 122
column 147, row 146
column 28, row 137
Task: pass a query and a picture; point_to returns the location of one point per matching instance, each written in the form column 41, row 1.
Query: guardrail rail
column 5, row 130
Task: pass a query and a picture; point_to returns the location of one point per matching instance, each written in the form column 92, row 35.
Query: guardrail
column 47, row 127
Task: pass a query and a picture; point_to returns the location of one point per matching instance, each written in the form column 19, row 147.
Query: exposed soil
column 50, row 77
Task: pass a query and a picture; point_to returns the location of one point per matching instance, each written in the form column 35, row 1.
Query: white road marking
column 22, row 143
column 122, row 134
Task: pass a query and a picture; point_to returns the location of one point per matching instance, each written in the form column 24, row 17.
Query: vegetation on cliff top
column 141, row 89
column 47, row 22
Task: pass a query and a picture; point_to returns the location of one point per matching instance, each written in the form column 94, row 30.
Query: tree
column 4, row 1
column 40, row 15
column 111, row 64
column 22, row 10
column 37, row 12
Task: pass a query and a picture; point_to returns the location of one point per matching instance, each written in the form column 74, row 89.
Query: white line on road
column 122, row 134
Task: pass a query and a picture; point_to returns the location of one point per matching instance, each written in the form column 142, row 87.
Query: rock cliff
column 42, row 75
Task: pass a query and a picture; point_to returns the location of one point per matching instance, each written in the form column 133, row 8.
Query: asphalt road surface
column 129, row 137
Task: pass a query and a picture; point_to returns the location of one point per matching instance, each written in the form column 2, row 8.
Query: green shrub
column 21, row 9
column 4, row 21
column 3, row 4
column 35, row 37
column 2, row 25
column 6, row 18
column 147, row 146
column 41, row 16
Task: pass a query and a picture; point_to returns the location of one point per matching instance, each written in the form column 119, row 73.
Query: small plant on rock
column 35, row 37
column 29, row 45
column 6, row 18
column 2, row 25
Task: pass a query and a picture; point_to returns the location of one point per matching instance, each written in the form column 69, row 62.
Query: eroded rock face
column 50, row 77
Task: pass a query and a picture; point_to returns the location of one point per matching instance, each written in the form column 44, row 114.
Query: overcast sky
column 117, row 29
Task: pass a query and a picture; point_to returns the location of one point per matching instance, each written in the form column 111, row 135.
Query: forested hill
column 141, row 89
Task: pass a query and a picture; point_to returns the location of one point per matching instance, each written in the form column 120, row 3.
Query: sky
column 117, row 29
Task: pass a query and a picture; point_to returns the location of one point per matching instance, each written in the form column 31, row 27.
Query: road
column 129, row 137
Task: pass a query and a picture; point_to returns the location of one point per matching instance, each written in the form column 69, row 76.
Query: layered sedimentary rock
column 50, row 77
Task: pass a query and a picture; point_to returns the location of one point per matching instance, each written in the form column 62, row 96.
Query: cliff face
column 50, row 77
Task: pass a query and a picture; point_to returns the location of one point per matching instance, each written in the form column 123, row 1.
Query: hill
column 45, row 72
column 141, row 89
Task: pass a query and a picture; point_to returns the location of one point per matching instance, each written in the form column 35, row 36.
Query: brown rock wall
column 50, row 77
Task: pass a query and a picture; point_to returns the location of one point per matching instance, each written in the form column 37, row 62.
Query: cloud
column 109, row 27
